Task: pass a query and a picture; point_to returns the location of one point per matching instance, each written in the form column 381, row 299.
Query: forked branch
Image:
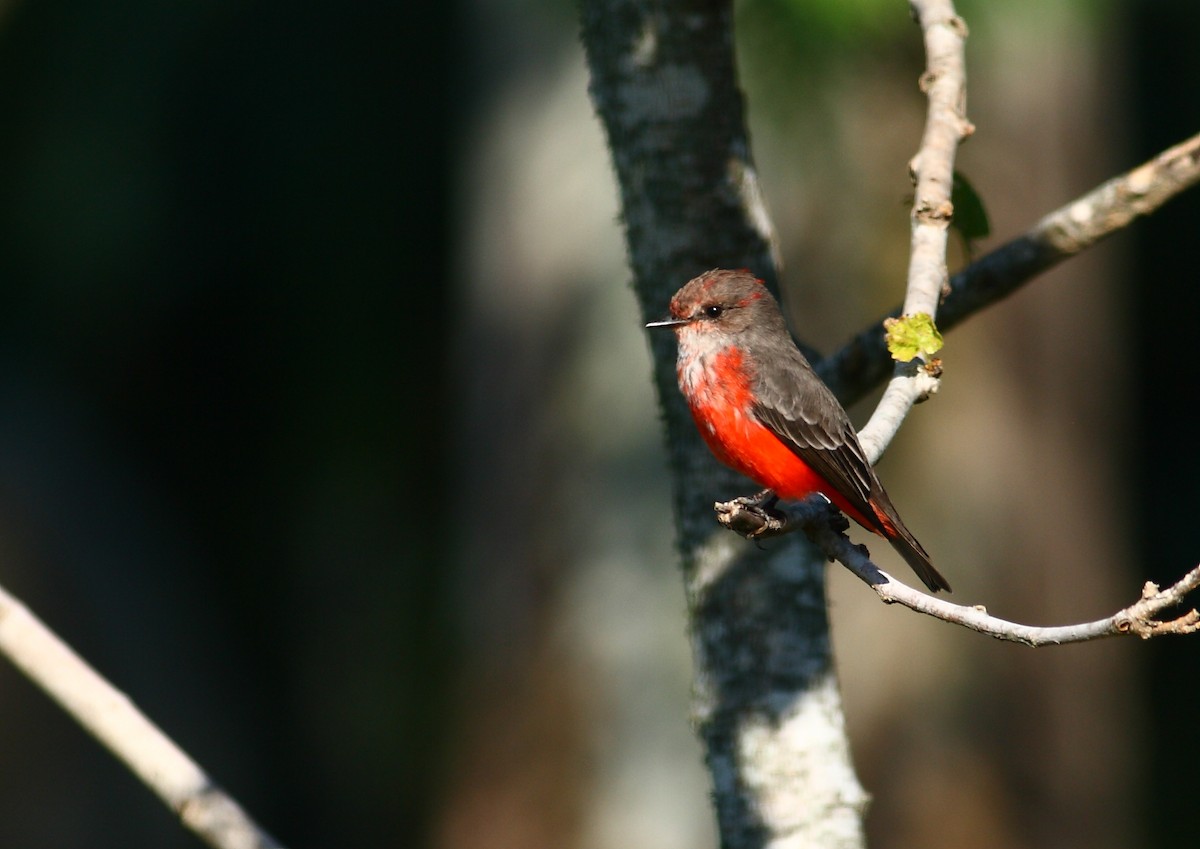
column 1063, row 233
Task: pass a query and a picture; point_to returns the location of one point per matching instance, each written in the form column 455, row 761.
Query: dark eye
column 714, row 310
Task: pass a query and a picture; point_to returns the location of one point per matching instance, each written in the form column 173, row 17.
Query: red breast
column 718, row 391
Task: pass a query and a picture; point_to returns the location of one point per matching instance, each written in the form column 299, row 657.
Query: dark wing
column 798, row 408
column 808, row 418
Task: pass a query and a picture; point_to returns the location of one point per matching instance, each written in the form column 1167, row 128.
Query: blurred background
column 326, row 430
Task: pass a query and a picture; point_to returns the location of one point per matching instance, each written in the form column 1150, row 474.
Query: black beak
column 668, row 322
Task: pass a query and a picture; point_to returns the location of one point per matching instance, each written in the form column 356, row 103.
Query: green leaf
column 912, row 336
column 970, row 216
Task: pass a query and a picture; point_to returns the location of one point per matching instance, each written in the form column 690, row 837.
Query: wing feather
column 807, row 417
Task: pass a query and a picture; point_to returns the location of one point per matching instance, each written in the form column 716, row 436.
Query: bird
column 764, row 412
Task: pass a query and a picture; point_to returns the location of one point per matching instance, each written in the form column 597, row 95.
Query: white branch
column 932, row 169
column 912, row 386
column 1139, row 618
column 113, row 719
column 825, row 525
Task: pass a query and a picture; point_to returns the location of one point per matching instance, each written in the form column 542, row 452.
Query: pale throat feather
column 710, row 384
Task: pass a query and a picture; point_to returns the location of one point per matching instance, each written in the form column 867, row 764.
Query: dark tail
column 918, row 559
column 893, row 530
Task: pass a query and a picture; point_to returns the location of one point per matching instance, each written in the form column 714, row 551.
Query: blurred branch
column 1067, row 231
column 932, row 168
column 825, row 526
column 113, row 719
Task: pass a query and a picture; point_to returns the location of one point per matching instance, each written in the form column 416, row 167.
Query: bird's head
column 720, row 301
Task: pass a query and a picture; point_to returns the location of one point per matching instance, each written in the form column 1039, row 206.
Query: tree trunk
column 766, row 701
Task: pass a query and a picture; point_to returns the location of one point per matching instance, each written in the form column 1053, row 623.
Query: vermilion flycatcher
column 766, row 414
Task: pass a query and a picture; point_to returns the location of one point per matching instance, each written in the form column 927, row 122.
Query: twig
column 824, row 526
column 1067, row 231
column 113, row 719
column 932, row 170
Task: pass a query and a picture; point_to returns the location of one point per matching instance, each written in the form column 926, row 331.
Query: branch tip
column 756, row 517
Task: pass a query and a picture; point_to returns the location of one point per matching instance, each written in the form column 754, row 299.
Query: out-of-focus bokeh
column 326, row 430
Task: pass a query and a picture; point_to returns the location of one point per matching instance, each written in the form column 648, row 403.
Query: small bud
column 912, row 336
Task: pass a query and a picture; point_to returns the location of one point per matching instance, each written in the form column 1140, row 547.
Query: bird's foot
column 766, row 499
column 753, row 516
column 756, row 517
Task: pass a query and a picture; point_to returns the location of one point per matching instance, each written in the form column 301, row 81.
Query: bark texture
column 766, row 702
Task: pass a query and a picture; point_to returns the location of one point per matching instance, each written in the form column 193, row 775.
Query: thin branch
column 825, row 526
column 932, row 170
column 112, row 718
column 1062, row 234
column 912, row 384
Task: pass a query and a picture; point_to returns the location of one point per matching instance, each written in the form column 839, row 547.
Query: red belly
column 722, row 411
